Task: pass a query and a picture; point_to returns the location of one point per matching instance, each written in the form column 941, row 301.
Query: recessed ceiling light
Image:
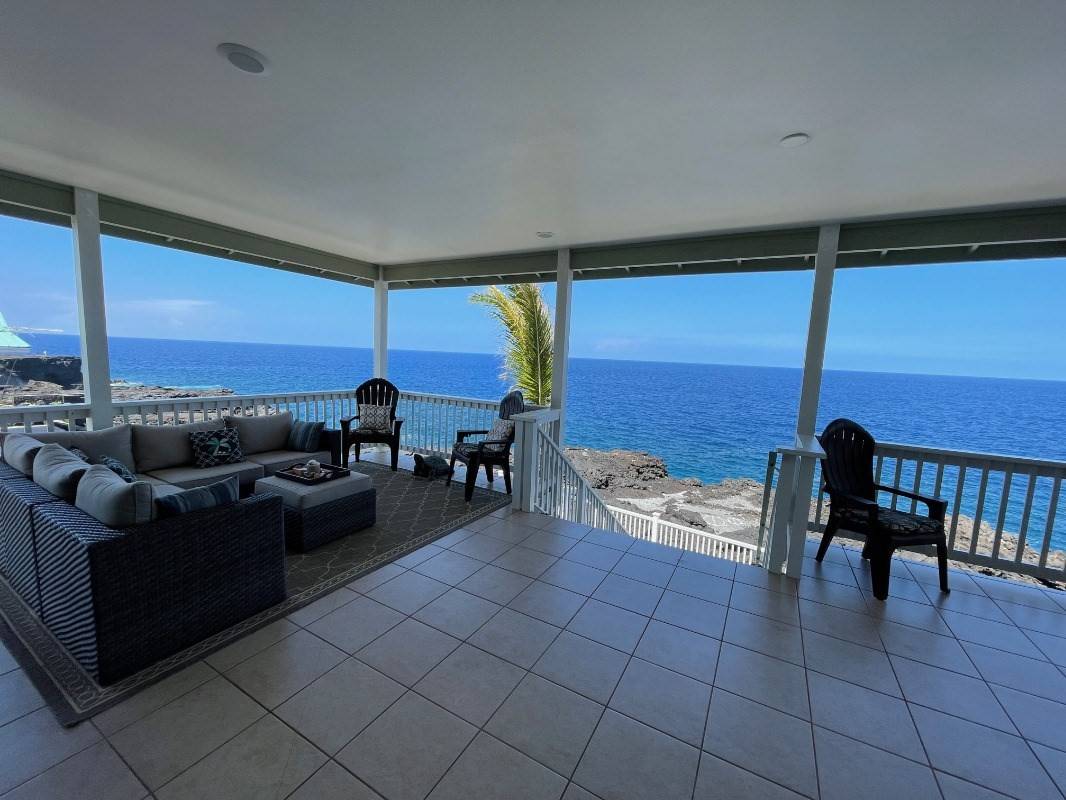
column 797, row 139
column 544, row 234
column 243, row 58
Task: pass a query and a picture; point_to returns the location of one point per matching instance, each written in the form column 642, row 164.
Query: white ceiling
column 393, row 131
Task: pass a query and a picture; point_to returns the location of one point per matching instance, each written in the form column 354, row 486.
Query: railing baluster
column 979, row 511
column 1023, row 528
column 1002, row 517
column 1049, row 528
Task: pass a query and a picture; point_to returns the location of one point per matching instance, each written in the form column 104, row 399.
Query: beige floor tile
column 609, row 625
column 665, row 700
column 838, row 622
column 1018, row 672
column 692, row 613
column 283, row 669
column 574, row 577
column 709, row 564
column 969, row 698
column 628, row 594
column 764, row 679
column 762, row 740
column 850, row 662
column 155, row 696
column 407, row 749
column 339, row 705
column 449, row 567
column 612, row 539
column 495, row 584
column 408, row 651
column 848, row 769
column 482, row 548
column 416, row 557
column 408, row 592
column 266, row 760
column 524, row 561
column 320, row 607
column 470, row 683
column 353, row 626
column 96, row 773
column 720, row 780
column 593, row 555
column 647, row 570
column 515, row 637
column 764, row 635
column 956, row 789
column 585, row 666
column 553, row 544
column 256, row 642
column 990, row 634
column 626, row 760
column 701, row 585
column 547, row 722
column 334, row 782
column 929, row 648
column 548, row 603
column 375, row 578
column 458, row 613
column 1037, row 719
column 775, row 605
column 871, row 717
column 490, row 770
column 691, row 654
column 176, row 736
column 656, row 551
column 982, row 755
column 32, row 744
column 18, row 696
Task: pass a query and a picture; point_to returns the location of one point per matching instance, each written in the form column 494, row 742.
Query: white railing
column 430, row 421
column 652, row 528
column 44, row 417
column 549, row 483
column 1013, row 503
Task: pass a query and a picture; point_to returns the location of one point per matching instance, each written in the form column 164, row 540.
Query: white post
column 564, row 280
column 825, row 264
column 381, row 325
column 525, row 461
column 92, row 313
column 792, row 501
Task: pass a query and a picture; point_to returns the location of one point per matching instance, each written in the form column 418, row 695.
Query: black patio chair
column 494, row 451
column 848, row 479
column 374, row 392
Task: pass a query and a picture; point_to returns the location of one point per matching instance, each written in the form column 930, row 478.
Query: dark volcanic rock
column 65, row 371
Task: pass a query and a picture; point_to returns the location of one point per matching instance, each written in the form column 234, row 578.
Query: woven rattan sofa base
column 309, row 528
column 120, row 600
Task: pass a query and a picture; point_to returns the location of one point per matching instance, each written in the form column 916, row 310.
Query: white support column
column 564, row 281
column 792, row 500
column 92, row 314
column 381, row 325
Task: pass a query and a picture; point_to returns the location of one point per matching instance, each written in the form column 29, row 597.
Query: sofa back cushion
column 59, row 471
column 215, row 495
column 260, row 434
column 105, row 496
column 164, row 446
column 116, row 442
column 19, row 450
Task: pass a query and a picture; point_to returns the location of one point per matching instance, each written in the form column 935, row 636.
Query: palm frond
column 527, row 337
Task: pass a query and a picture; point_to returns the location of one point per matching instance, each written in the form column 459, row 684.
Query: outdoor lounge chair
column 376, row 392
column 848, row 477
column 494, row 451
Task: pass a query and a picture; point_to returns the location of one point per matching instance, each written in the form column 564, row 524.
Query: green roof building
column 10, row 343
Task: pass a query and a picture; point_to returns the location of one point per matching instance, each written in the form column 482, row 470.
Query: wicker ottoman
column 315, row 515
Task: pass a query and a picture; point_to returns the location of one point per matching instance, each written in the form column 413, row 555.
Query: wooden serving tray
column 329, row 472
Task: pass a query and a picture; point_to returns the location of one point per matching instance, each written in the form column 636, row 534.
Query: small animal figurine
column 431, row 467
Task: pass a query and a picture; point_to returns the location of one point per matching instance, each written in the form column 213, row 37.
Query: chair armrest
column 461, row 435
column 936, row 506
column 397, row 423
column 870, row 506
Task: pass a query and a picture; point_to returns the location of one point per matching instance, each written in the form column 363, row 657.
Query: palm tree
column 527, row 335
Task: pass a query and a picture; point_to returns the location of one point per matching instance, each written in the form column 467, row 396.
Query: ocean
column 707, row 421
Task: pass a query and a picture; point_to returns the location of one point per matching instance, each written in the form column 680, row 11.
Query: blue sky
column 996, row 319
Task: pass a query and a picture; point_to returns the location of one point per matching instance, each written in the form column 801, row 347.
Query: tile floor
column 530, row 658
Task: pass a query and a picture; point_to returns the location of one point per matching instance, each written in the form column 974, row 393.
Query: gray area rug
column 411, row 512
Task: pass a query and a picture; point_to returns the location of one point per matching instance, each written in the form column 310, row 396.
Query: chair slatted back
column 848, row 466
column 378, row 392
column 513, row 403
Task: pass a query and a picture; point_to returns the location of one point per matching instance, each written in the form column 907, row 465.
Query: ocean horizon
column 708, row 421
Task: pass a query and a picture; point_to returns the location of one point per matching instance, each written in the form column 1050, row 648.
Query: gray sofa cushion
column 273, row 460
column 247, row 473
column 116, row 442
column 19, row 451
column 105, row 496
column 260, row 434
column 58, row 471
column 163, row 446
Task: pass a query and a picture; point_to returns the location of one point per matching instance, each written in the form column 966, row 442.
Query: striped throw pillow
column 304, row 436
column 216, row 495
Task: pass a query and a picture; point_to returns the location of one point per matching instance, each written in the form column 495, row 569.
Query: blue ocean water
column 705, row 420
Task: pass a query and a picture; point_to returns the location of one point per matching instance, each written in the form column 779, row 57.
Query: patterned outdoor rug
column 411, row 512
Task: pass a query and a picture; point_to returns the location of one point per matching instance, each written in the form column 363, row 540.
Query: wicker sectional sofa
column 122, row 598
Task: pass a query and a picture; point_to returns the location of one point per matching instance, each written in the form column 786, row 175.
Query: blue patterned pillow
column 223, row 493
column 80, row 454
column 117, row 467
column 304, row 436
column 212, row 448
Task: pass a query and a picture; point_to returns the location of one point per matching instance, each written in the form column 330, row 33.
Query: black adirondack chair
column 848, row 476
column 487, row 453
column 374, row 392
